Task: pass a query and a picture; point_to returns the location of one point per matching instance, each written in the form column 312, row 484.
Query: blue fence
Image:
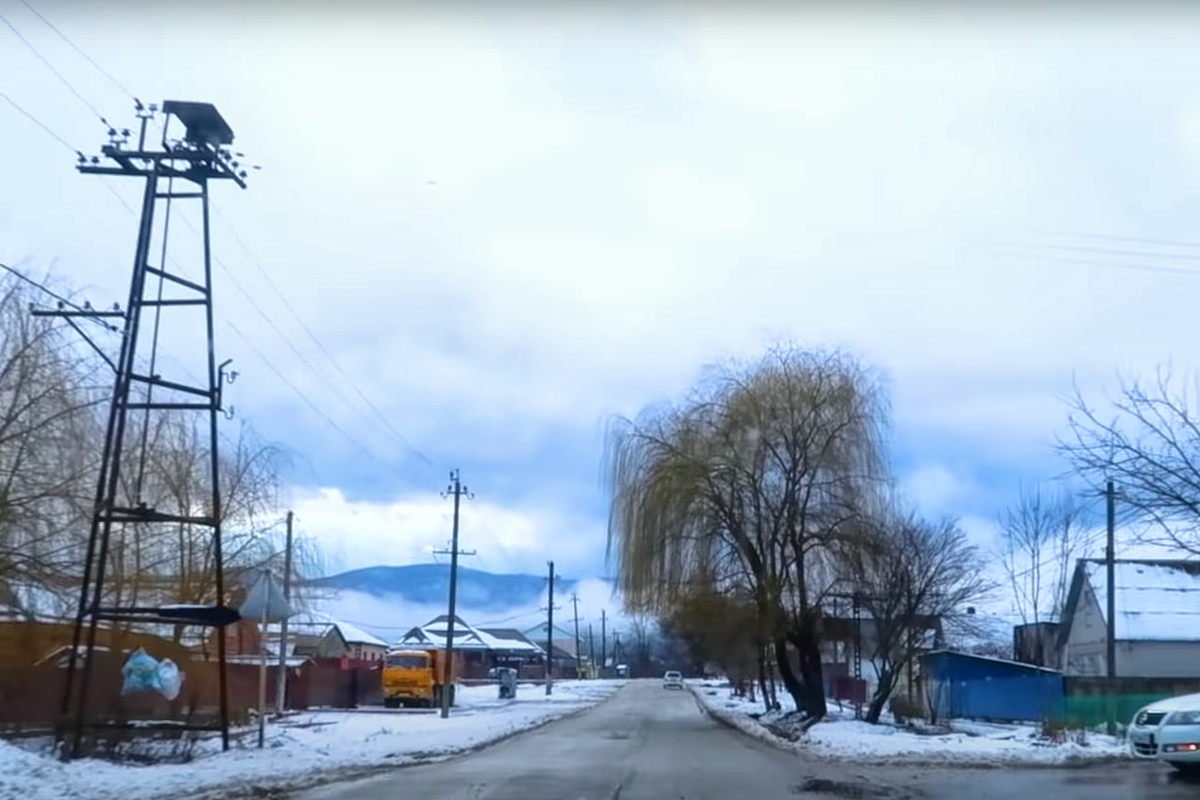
column 1026, row 699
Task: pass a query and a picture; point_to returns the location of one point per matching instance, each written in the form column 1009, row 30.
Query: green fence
column 1089, row 711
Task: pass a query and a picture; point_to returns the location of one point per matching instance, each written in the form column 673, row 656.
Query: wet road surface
column 649, row 743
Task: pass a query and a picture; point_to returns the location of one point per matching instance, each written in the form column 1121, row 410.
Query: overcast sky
column 506, row 228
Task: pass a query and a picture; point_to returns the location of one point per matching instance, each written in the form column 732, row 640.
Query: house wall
column 1084, row 653
column 367, row 652
column 1158, row 659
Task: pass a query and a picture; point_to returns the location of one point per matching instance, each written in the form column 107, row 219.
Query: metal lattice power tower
column 197, row 157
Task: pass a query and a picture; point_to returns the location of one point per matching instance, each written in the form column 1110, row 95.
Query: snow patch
column 302, row 749
column 958, row 742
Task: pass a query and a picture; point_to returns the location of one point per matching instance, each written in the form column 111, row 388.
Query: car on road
column 672, row 679
column 1169, row 731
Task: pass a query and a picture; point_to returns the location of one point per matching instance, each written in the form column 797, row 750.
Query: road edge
column 276, row 790
column 755, row 730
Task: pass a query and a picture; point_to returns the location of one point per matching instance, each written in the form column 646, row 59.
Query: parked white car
column 672, row 679
column 1168, row 730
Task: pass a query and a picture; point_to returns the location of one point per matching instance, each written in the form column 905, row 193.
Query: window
column 408, row 661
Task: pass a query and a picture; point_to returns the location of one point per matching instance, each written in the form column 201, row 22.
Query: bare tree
column 910, row 574
column 1148, row 442
column 47, row 424
column 746, row 487
column 1040, row 537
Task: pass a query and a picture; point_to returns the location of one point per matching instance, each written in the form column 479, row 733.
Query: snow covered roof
column 466, row 637
column 1155, row 600
column 317, row 623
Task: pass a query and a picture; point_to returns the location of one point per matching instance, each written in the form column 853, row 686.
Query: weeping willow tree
column 752, row 486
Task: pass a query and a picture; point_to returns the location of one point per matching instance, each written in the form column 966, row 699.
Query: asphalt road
column 648, row 743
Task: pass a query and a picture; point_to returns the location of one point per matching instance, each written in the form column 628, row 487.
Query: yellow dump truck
column 415, row 678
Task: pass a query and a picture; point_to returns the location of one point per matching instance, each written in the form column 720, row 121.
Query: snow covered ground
column 964, row 743
column 302, row 749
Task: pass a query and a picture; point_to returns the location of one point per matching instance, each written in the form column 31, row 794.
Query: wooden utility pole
column 575, row 603
column 281, row 677
column 550, row 633
column 592, row 651
column 1110, row 559
column 603, row 643
column 456, row 490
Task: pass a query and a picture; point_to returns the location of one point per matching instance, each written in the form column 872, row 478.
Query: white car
column 1169, row 731
column 673, row 679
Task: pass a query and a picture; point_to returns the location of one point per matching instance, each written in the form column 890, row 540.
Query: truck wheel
column 390, row 702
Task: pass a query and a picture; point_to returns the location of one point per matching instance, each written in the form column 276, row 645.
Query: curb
column 749, row 727
column 278, row 789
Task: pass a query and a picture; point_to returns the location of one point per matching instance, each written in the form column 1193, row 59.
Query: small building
column 565, row 656
column 1157, row 624
column 313, row 634
column 511, row 648
column 474, row 645
column 1037, row 643
column 481, row 649
column 966, row 686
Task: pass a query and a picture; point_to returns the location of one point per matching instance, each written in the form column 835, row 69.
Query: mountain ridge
column 429, row 584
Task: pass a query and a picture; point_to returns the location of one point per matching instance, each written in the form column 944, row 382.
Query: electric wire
column 49, row 131
column 51, row 67
column 390, row 428
column 78, row 50
column 302, row 395
column 38, row 122
column 320, row 346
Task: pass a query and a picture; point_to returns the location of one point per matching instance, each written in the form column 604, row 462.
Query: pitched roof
column 510, row 639
column 1156, row 600
column 466, row 637
column 316, row 623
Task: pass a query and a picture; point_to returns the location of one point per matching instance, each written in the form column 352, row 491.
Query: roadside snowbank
column 302, row 750
column 964, row 744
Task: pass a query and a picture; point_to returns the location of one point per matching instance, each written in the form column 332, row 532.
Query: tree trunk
column 786, row 674
column 883, row 690
column 812, row 683
column 762, row 677
column 875, row 708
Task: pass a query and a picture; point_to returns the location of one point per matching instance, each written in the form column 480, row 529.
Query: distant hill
column 429, row 584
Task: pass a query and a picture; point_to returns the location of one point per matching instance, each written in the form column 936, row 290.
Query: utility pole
column 603, row 643
column 457, row 490
column 281, row 676
column 1110, row 558
column 575, row 603
column 592, row 650
column 616, row 649
column 550, row 633
column 195, row 150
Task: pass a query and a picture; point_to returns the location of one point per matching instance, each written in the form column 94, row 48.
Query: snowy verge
column 963, row 744
column 305, row 750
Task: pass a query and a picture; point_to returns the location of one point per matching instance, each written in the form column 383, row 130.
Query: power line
column 39, row 123
column 77, row 49
column 50, row 66
column 304, row 396
column 60, row 298
column 336, row 365
column 324, row 379
column 401, row 439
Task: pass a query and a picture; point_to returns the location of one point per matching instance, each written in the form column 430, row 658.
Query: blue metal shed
column 966, row 686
